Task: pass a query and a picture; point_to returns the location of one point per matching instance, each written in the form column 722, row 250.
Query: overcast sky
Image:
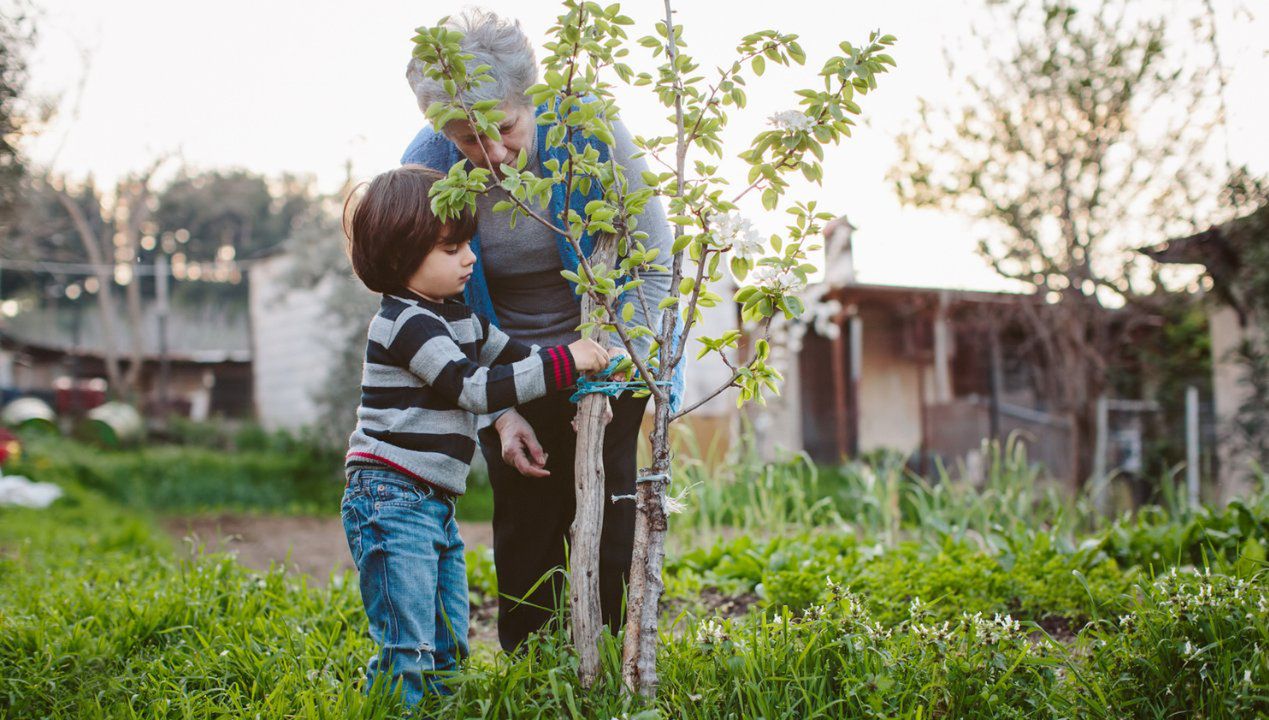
column 307, row 86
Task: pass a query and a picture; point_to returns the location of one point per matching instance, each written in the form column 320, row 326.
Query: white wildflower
column 815, row 612
column 875, row 631
column 711, row 632
column 933, row 633
column 834, row 589
column 916, row 607
column 790, row 120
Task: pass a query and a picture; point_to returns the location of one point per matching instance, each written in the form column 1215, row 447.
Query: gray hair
column 494, row 41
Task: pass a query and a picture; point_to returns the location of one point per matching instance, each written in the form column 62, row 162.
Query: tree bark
column 133, row 199
column 639, row 653
column 105, row 298
column 588, row 519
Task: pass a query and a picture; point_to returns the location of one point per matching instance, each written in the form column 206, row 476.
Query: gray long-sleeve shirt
column 522, row 265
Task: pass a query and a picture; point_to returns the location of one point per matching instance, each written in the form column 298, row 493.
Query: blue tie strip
column 586, row 386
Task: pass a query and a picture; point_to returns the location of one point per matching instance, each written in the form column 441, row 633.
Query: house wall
column 290, row 356
column 29, row 374
column 1230, row 393
column 889, row 387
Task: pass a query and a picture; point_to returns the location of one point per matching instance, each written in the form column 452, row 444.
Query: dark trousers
column 532, row 516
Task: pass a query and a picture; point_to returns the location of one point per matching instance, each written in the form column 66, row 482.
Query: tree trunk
column 137, row 212
column 639, row 654
column 588, row 519
column 105, row 298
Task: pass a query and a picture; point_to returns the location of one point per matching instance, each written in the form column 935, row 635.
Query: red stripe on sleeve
column 569, row 368
column 555, row 365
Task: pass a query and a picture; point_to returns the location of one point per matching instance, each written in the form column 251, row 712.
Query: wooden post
column 1192, row 446
column 588, row 518
column 856, row 326
column 1099, row 479
column 161, row 275
column 841, row 412
column 996, row 380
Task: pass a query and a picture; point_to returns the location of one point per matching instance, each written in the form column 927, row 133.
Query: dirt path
column 313, row 546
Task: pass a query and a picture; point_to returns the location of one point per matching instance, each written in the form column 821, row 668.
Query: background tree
column 1087, row 134
column 204, row 222
column 16, row 37
column 224, row 215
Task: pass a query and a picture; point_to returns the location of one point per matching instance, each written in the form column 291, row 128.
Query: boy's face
column 517, row 130
column 444, row 271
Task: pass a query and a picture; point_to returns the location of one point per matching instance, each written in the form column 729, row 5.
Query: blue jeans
column 404, row 540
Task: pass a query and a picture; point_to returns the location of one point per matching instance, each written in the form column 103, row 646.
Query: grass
column 932, row 601
column 261, row 474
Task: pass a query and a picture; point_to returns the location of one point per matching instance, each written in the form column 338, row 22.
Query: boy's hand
column 589, row 355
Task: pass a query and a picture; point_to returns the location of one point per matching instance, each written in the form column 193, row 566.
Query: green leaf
column 759, row 65
column 794, row 306
column 627, row 312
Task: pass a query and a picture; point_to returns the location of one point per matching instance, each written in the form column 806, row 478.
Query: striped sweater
column 430, row 369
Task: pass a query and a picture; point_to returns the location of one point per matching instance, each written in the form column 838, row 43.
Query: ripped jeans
column 404, row 540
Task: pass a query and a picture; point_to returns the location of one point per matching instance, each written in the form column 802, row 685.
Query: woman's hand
column 520, row 446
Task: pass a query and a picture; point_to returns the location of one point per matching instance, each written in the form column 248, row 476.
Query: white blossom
column 731, row 229
column 781, row 281
column 790, row 120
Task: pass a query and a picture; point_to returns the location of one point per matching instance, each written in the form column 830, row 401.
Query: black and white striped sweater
column 430, row 369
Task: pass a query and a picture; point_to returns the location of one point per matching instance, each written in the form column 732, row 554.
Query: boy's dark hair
column 391, row 228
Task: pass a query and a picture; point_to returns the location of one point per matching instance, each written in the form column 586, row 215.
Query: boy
column 431, row 366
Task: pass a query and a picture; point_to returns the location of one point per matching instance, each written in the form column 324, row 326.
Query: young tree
column 586, row 56
column 1086, row 135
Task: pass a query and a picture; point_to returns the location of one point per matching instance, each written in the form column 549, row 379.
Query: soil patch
column 314, row 546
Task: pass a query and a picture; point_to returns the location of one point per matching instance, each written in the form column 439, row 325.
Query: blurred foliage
column 17, row 34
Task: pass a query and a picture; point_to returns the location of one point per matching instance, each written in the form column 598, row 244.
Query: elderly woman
column 517, row 283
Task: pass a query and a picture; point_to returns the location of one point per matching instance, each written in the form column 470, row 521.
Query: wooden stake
column 588, row 519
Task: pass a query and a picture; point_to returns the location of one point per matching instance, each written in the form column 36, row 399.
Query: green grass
column 101, row 617
column 261, row 474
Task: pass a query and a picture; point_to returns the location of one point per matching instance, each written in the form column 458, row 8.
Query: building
column 1230, row 253
column 57, row 353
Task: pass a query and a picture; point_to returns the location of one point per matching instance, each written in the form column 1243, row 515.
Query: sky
column 316, row 86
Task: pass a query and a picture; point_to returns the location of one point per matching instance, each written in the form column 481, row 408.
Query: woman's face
column 517, row 130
